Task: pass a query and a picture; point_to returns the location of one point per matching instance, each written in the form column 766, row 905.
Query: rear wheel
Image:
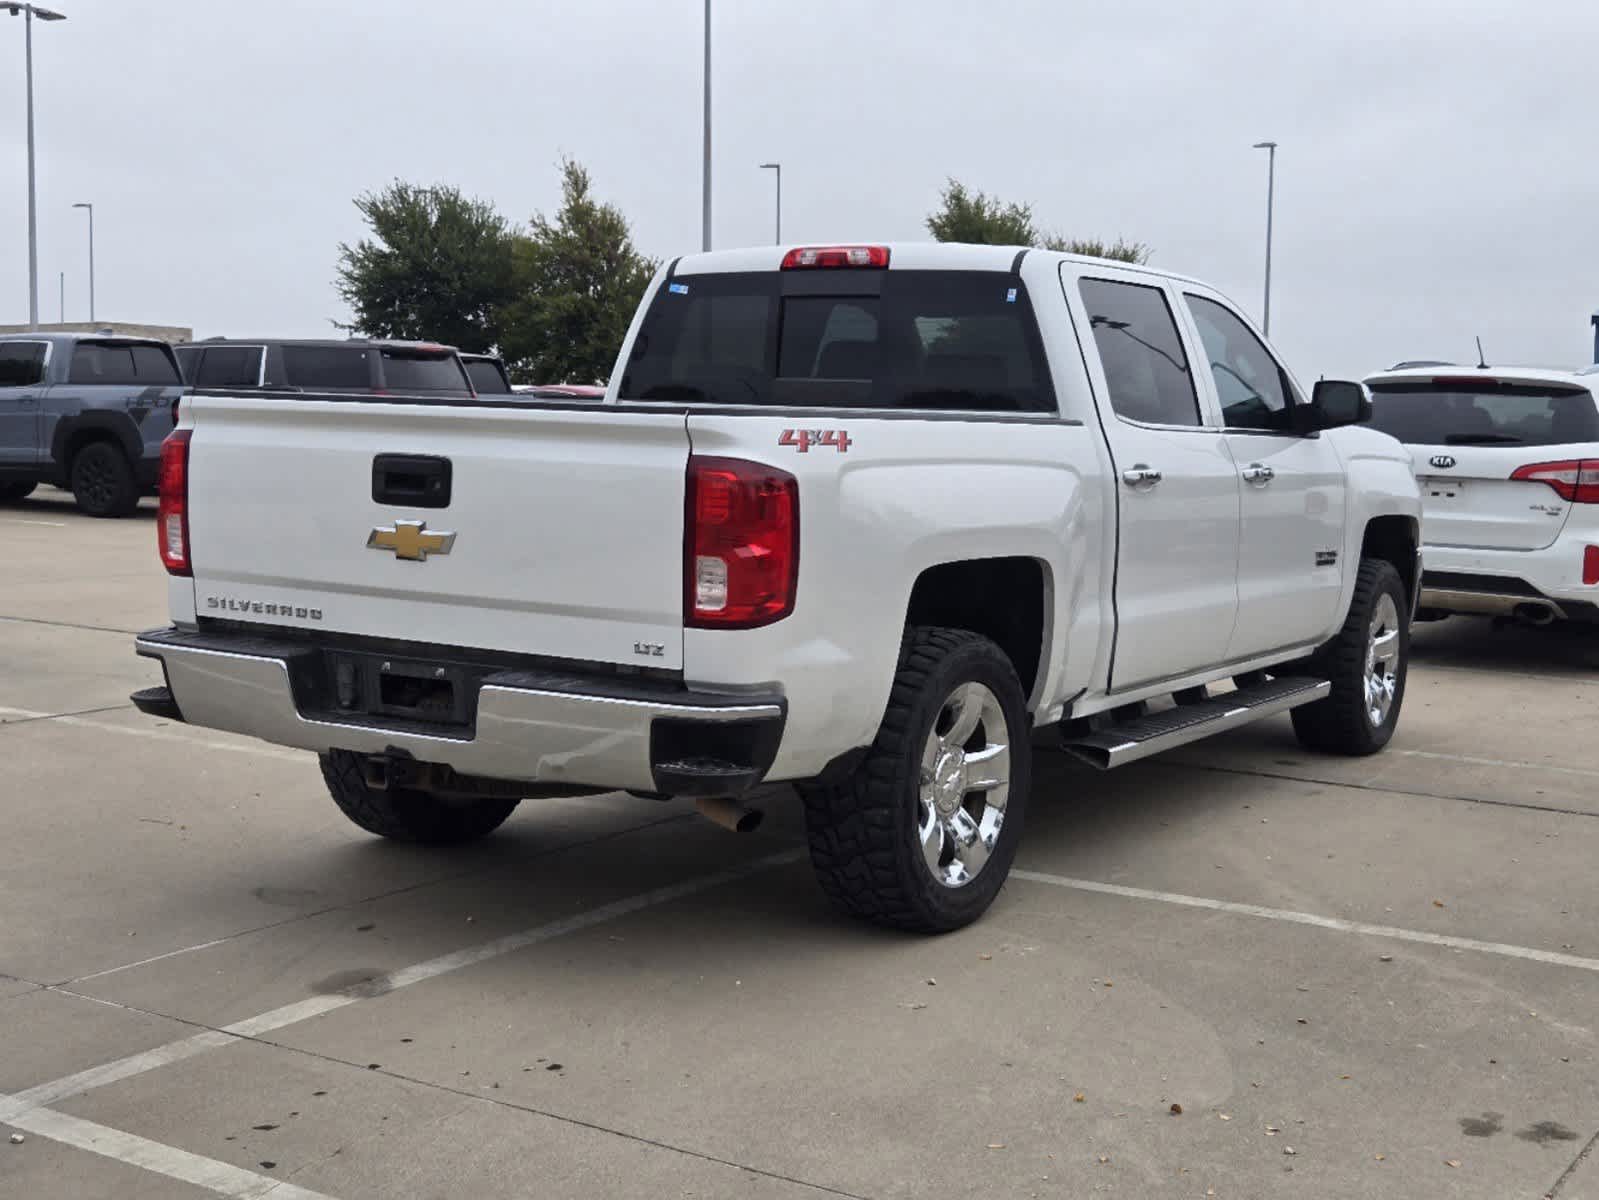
column 102, row 481
column 922, row 835
column 10, row 493
column 1367, row 663
column 406, row 814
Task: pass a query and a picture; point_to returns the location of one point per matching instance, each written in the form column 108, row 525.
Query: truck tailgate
column 567, row 525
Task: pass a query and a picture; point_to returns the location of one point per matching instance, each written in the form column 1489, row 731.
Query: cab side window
column 1254, row 391
column 1139, row 347
column 21, row 363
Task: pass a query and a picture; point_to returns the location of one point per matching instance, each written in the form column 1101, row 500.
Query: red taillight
column 1574, row 480
column 808, row 257
column 1590, row 565
column 741, row 544
column 172, row 517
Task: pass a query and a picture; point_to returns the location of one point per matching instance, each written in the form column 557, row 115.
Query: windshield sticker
column 677, row 289
column 1010, row 296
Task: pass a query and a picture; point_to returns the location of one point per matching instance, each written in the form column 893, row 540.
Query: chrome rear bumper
column 540, row 727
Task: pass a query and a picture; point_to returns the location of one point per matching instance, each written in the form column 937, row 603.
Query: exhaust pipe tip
column 1536, row 614
column 730, row 814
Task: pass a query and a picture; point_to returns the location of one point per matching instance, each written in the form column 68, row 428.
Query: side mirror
column 1335, row 402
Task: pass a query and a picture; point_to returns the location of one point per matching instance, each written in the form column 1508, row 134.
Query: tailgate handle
column 411, row 480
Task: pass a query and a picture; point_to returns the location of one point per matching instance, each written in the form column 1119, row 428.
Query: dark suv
column 87, row 412
column 282, row 364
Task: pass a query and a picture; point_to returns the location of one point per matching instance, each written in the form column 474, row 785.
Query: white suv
column 1508, row 462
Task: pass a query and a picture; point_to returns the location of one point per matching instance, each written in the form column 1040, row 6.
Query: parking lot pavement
column 1367, row 977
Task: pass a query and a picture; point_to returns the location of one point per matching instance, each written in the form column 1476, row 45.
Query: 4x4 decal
column 806, row 438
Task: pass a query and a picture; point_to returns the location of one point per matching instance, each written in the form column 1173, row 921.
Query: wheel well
column 1393, row 539
column 1000, row 598
column 87, row 437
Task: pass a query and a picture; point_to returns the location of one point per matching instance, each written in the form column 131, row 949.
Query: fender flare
column 118, row 427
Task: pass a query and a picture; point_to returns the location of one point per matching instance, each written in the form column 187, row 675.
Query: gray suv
column 86, row 412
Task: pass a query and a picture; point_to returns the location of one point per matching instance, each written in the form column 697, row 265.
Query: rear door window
column 407, row 371
column 131, row 364
column 488, row 377
column 948, row 340
column 1468, row 412
column 1146, row 370
column 21, row 363
column 317, row 367
column 229, row 367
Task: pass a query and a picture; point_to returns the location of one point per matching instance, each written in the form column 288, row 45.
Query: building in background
column 167, row 333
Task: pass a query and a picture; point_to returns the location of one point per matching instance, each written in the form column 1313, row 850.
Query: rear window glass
column 228, row 366
column 326, row 367
column 129, row 364
column 403, row 372
column 1455, row 414
column 487, row 377
column 956, row 340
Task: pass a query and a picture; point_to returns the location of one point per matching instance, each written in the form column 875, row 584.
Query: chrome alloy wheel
column 1382, row 660
column 965, row 782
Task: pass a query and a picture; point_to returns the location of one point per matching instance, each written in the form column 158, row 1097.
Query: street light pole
column 90, row 207
column 705, row 209
column 1271, row 187
column 778, row 167
column 28, row 12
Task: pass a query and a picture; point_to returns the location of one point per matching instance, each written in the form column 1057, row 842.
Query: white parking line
column 25, row 1110
column 25, row 521
column 222, row 1178
column 1337, row 924
column 1496, row 762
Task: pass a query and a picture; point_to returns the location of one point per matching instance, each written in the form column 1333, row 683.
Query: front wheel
column 407, row 814
column 922, row 835
column 1367, row 663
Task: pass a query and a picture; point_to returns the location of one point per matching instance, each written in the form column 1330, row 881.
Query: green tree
column 1120, row 250
column 437, row 267
column 579, row 279
column 974, row 217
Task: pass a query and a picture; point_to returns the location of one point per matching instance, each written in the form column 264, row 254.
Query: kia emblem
column 1442, row 460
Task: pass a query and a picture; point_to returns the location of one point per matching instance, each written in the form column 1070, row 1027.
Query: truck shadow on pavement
column 1479, row 644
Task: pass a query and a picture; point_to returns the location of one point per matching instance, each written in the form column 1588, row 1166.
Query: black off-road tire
column 1339, row 724
column 408, row 815
column 102, row 481
column 10, row 493
column 863, row 831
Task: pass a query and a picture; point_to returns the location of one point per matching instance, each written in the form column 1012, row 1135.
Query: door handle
column 411, row 480
column 1258, row 474
column 1141, row 476
column 27, row 400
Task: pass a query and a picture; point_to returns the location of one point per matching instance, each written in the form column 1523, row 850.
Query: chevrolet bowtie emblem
column 411, row 540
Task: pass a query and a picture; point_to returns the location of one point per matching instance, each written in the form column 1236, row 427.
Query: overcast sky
column 1437, row 176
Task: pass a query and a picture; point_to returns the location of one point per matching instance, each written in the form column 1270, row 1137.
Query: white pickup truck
column 857, row 518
